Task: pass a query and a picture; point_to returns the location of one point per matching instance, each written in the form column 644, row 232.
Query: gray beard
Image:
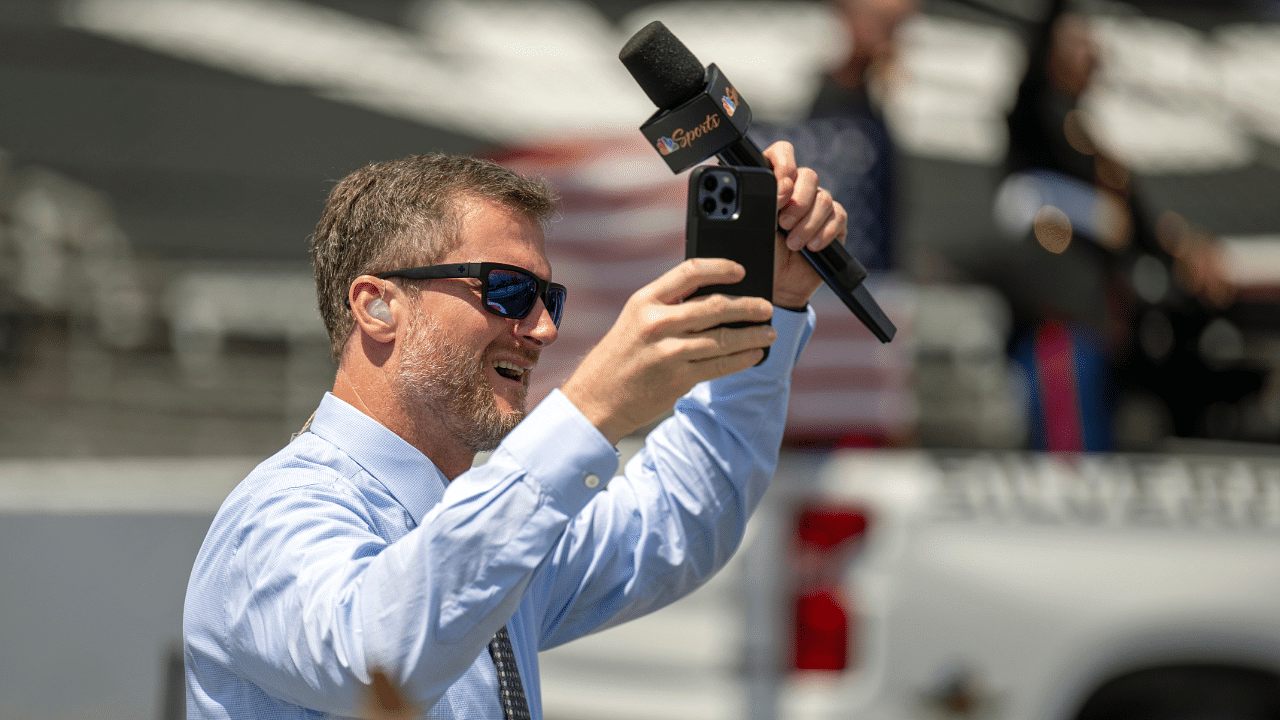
column 437, row 377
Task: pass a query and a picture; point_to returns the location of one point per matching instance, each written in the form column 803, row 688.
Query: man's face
column 461, row 365
column 1073, row 56
column 873, row 25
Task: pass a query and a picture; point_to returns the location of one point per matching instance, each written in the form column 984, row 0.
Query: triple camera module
column 718, row 195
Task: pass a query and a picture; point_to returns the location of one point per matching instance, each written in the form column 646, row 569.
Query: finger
column 812, row 223
column 801, row 203
column 782, row 157
column 718, row 367
column 717, row 342
column 836, row 229
column 383, row 701
column 709, row 311
column 725, row 340
column 678, row 283
column 654, row 321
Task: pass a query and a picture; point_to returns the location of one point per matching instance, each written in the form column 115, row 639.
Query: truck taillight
column 821, row 632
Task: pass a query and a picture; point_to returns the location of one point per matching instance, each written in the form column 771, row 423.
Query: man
column 368, row 549
column 845, row 137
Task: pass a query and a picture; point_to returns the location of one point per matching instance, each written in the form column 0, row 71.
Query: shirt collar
column 410, row 477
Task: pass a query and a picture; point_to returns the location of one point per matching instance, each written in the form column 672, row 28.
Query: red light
column 822, row 621
column 822, row 632
column 828, row 527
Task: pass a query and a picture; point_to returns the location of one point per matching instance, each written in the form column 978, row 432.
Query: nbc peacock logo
column 666, row 145
column 729, row 101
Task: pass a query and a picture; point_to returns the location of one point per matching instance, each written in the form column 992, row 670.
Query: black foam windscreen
column 663, row 67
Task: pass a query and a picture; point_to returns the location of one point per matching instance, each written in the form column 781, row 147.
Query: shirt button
column 592, row 480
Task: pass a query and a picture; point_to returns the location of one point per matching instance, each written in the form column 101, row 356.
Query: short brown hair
column 404, row 213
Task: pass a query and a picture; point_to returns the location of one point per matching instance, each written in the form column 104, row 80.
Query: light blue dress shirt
column 348, row 550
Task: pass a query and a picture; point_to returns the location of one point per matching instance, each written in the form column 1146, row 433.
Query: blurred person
column 1108, row 306
column 844, row 136
column 369, row 567
column 66, row 253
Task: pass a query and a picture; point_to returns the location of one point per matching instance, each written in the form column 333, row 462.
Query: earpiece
column 378, row 308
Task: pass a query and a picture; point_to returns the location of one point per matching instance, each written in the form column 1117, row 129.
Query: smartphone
column 733, row 213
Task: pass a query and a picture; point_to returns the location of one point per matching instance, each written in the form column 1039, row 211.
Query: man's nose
column 538, row 326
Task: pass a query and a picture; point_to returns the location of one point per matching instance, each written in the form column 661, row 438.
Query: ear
column 376, row 311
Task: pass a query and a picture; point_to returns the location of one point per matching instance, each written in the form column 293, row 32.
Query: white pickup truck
column 1033, row 586
column 895, row 585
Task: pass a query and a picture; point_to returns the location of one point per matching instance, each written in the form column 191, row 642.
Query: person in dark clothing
column 1109, row 307
column 844, row 136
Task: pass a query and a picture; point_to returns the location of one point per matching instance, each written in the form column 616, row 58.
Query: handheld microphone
column 700, row 115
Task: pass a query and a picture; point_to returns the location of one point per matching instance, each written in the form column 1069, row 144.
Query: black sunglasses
column 506, row 290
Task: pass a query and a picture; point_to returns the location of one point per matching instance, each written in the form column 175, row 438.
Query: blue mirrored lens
column 555, row 303
column 511, row 294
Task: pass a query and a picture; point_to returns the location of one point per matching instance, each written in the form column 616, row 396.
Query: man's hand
column 811, row 218
column 383, row 701
column 662, row 345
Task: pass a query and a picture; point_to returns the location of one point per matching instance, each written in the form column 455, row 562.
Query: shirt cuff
column 794, row 328
column 561, row 451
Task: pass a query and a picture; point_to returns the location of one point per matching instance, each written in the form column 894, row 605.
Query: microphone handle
column 837, row 268
column 744, row 152
column 858, row 299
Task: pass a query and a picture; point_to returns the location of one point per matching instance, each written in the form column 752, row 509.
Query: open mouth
column 508, row 370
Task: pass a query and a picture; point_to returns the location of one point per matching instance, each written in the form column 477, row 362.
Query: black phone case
column 745, row 236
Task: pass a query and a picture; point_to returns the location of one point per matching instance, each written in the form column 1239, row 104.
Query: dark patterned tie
column 510, row 689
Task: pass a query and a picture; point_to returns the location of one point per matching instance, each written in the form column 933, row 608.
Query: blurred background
column 1072, row 212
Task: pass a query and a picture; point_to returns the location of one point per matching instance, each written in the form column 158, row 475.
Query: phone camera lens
column 708, row 205
column 710, row 181
column 726, row 196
